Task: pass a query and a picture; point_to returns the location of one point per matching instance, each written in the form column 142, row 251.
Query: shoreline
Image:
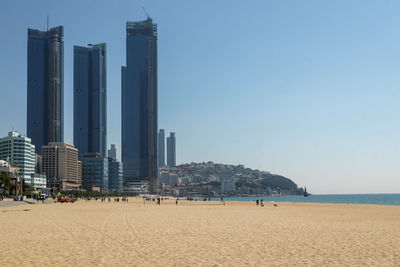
column 181, row 202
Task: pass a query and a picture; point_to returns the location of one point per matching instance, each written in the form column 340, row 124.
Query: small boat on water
column 306, row 194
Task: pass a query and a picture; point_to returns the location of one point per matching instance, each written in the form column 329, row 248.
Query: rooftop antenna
column 47, row 21
column 147, row 14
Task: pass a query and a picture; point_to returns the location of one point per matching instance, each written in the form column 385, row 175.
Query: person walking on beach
column 176, row 203
column 257, row 202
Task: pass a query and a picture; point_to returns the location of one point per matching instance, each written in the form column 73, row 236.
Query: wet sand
column 199, row 234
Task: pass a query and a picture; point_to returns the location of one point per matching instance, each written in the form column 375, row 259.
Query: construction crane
column 147, row 14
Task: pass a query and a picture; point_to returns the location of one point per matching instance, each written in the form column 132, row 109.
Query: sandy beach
column 199, row 234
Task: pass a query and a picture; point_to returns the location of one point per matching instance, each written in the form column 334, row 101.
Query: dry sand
column 202, row 233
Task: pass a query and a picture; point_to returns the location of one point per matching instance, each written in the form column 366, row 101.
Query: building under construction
column 139, row 106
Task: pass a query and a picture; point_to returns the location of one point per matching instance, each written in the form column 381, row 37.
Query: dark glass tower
column 161, row 148
column 45, row 88
column 139, row 105
column 171, row 150
column 90, row 99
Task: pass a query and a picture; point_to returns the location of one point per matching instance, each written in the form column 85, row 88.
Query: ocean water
column 378, row 199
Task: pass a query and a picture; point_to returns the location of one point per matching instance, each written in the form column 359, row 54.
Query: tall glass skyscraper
column 161, row 148
column 171, row 150
column 139, row 105
column 45, row 88
column 90, row 99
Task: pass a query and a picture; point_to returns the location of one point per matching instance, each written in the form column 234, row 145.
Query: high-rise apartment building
column 45, row 88
column 139, row 105
column 112, row 152
column 18, row 151
column 161, row 148
column 90, row 99
column 94, row 172
column 171, row 150
column 228, row 186
column 60, row 164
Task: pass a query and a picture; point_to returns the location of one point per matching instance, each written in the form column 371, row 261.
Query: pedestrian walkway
column 10, row 203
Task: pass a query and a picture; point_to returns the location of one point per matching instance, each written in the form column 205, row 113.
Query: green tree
column 28, row 189
column 5, row 181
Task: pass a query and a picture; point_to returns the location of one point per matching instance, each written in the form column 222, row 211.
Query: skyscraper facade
column 45, row 88
column 90, row 99
column 171, row 150
column 161, row 148
column 139, row 105
column 112, row 152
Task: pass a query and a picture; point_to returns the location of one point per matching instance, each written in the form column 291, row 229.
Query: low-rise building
column 164, row 177
column 115, row 175
column 94, row 172
column 7, row 168
column 38, row 181
column 173, row 179
column 228, row 186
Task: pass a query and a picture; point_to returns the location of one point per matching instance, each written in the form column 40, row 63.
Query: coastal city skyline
column 200, row 133
column 350, row 138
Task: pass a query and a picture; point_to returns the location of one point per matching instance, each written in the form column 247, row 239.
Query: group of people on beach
column 261, row 203
column 103, row 199
column 159, row 200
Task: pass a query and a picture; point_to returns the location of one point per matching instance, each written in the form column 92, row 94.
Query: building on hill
column 173, row 179
column 164, row 177
column 228, row 186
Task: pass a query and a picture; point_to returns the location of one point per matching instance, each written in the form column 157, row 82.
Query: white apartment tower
column 19, row 152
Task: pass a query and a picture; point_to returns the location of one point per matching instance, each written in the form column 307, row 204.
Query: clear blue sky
column 306, row 89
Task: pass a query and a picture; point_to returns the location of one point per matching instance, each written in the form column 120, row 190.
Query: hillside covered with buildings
column 213, row 179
